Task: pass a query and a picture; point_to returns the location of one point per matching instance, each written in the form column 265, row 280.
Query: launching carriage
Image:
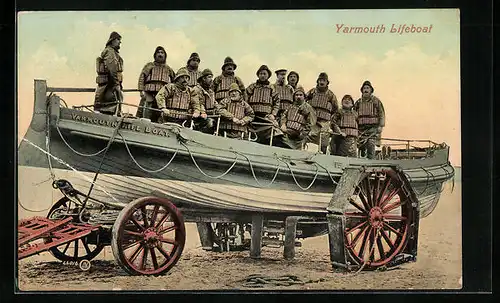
column 133, row 184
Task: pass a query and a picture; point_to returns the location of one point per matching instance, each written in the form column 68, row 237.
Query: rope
column 201, row 171
column 255, row 177
column 75, row 151
column 329, row 174
column 145, row 169
column 259, row 281
column 367, row 262
column 294, row 179
column 70, row 167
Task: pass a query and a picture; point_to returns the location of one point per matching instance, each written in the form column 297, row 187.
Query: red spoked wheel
column 378, row 219
column 148, row 236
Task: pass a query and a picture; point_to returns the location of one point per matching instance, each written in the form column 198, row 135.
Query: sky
column 415, row 75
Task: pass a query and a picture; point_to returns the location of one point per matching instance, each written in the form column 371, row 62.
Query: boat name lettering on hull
column 127, row 126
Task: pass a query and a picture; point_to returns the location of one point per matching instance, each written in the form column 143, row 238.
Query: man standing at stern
column 109, row 67
column 371, row 120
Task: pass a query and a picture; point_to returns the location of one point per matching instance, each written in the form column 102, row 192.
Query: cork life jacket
column 322, row 104
column 222, row 89
column 193, row 77
column 103, row 71
column 285, row 92
column 295, row 120
column 368, row 111
column 261, row 100
column 348, row 123
column 158, row 76
column 237, row 108
column 208, row 100
column 178, row 103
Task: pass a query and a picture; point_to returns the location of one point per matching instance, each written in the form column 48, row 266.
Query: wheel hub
column 151, row 237
column 376, row 217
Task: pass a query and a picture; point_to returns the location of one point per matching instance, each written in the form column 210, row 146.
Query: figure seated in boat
column 177, row 101
column 265, row 102
column 345, row 130
column 206, row 97
column 297, row 121
column 235, row 114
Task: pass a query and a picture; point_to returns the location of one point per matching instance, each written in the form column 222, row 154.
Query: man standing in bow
column 222, row 82
column 206, row 98
column 371, row 120
column 109, row 67
column 177, row 101
column 297, row 121
column 285, row 91
column 265, row 102
column 235, row 114
column 192, row 69
column 153, row 77
column 324, row 102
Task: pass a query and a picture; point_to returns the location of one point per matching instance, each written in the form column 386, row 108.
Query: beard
column 160, row 60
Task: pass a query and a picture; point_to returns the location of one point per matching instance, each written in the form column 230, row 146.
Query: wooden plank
column 256, row 242
column 290, row 232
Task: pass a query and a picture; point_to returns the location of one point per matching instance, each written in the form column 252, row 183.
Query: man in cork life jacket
column 109, row 67
column 177, row 101
column 153, row 77
column 265, row 102
column 297, row 121
column 371, row 120
column 324, row 102
column 235, row 114
column 206, row 97
column 192, row 68
column 222, row 82
column 285, row 91
column 293, row 80
column 345, row 128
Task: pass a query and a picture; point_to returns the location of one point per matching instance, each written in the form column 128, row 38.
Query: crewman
column 285, row 91
column 206, row 98
column 177, row 101
column 293, row 79
column 235, row 114
column 222, row 82
column 297, row 121
column 345, row 128
column 324, row 102
column 371, row 120
column 192, row 69
column 152, row 78
column 109, row 67
column 265, row 102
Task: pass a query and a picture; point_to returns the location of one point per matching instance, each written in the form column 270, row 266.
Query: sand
column 438, row 265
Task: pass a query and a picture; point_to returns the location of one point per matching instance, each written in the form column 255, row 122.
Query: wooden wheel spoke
column 153, row 256
column 144, row 216
column 381, row 193
column 392, row 229
column 392, row 206
column 353, row 203
column 394, row 218
column 380, row 247
column 356, row 215
column 135, row 254
column 154, row 215
column 376, row 189
column 75, row 254
column 131, row 244
column 371, row 252
column 363, row 198
column 391, row 195
column 133, row 233
column 358, row 236
column 168, row 229
column 363, row 243
column 66, row 247
column 144, row 258
column 136, row 223
column 368, row 191
column 167, row 215
column 356, row 227
column 86, row 246
column 163, row 252
column 169, row 241
column 387, row 239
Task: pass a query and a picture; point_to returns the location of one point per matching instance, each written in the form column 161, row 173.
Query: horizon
column 421, row 69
